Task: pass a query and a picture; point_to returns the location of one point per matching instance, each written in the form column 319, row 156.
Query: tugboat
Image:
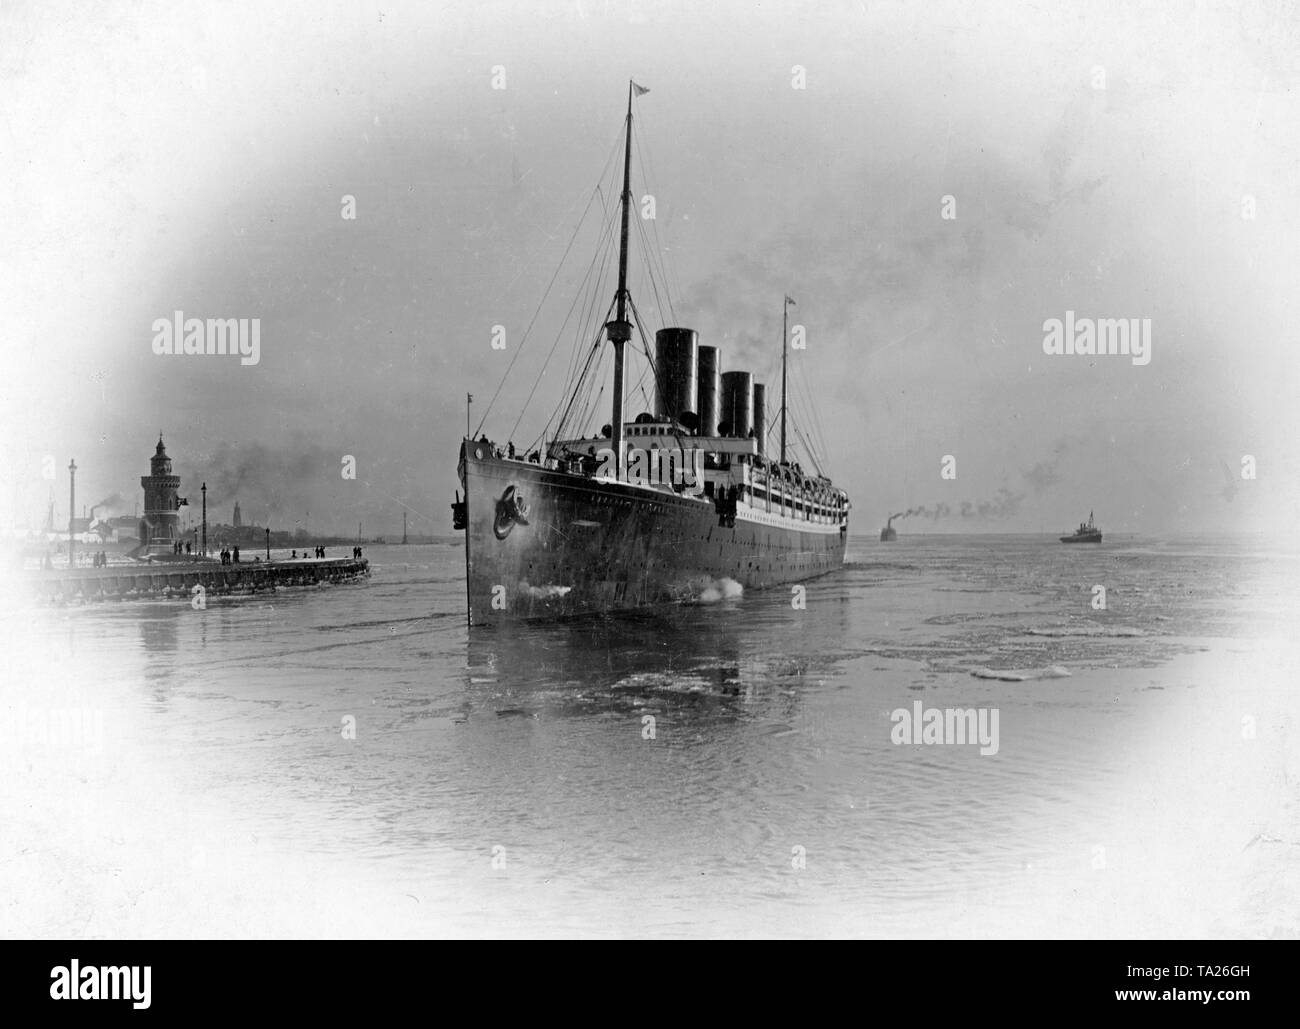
column 1085, row 533
column 889, row 534
column 652, row 509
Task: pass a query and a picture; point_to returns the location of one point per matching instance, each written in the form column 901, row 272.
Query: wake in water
column 720, row 589
column 1021, row 674
column 1086, row 630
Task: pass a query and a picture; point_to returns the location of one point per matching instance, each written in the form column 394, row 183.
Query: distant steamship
column 1085, row 533
column 659, row 509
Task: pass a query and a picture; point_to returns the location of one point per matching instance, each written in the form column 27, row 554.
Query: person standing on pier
column 235, row 556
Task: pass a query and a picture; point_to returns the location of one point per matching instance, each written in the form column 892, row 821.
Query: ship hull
column 1082, row 539
column 543, row 543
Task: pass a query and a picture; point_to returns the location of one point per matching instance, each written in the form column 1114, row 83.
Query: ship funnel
column 738, row 402
column 676, row 367
column 709, row 404
column 760, row 415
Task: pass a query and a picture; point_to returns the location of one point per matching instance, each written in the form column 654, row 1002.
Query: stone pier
column 178, row 579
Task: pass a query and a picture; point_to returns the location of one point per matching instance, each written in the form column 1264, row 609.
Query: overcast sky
column 163, row 157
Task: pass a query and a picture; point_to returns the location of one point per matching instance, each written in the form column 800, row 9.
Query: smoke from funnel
column 113, row 504
column 291, row 477
column 1004, row 504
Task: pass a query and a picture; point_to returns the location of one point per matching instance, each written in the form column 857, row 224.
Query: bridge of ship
column 734, row 470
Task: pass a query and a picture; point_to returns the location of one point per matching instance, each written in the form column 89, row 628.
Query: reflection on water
column 683, row 758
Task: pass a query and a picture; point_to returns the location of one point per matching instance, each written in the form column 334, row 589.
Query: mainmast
column 619, row 331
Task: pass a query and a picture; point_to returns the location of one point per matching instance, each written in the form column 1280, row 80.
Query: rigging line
column 800, row 412
column 563, row 428
column 608, row 238
column 801, row 401
column 609, row 163
column 593, row 290
column 654, row 287
column 640, row 385
column 572, row 395
column 814, row 426
column 663, row 268
column 541, row 438
column 645, row 345
column 654, row 250
column 586, row 432
column 645, row 156
column 801, row 426
column 811, row 456
column 599, row 250
column 541, row 303
column 818, row 426
column 586, row 291
column 808, row 449
column 640, row 380
column 558, row 336
column 577, row 391
column 599, row 254
column 591, row 373
column 647, row 252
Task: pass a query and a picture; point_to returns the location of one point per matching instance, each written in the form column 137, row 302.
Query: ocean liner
column 672, row 506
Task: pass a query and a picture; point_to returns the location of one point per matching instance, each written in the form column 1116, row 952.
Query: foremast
column 619, row 331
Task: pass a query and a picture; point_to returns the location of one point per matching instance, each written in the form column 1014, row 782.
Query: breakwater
column 177, row 579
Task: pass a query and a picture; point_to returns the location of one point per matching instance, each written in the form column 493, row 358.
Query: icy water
column 725, row 769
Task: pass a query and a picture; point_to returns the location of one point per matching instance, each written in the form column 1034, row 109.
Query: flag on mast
column 790, row 300
column 639, row 90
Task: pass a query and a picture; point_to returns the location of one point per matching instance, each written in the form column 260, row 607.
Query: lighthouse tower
column 161, row 524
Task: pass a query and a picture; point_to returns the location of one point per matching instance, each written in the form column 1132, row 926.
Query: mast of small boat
column 619, row 331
